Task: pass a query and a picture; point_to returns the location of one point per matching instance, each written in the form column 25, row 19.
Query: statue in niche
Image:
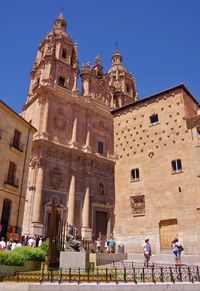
column 71, row 243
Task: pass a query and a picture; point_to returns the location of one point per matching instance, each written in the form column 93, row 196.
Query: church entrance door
column 101, row 224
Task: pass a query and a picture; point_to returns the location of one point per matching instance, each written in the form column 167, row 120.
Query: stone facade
column 15, row 148
column 153, row 144
column 157, row 144
column 72, row 155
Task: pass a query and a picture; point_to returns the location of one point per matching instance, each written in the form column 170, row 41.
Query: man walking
column 147, row 252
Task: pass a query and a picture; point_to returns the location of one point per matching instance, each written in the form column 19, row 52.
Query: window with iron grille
column 135, row 175
column 176, row 166
column 137, row 203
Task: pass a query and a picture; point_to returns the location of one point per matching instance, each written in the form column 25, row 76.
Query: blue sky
column 158, row 39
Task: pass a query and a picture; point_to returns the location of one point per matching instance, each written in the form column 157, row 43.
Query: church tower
column 121, row 82
column 56, row 61
column 72, row 157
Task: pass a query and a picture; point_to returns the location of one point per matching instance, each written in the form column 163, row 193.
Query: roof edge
column 179, row 86
column 18, row 116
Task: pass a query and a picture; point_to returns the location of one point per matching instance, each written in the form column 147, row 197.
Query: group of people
column 177, row 248
column 108, row 245
column 25, row 241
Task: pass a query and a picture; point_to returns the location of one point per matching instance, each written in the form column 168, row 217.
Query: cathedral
column 114, row 165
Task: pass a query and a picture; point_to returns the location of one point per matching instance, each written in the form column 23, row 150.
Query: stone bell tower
column 72, row 157
column 56, row 61
column 121, row 82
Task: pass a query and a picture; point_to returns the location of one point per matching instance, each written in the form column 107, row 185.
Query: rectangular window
column 64, row 54
column 176, row 166
column 154, row 118
column 135, row 175
column 16, row 139
column 11, row 179
column 61, row 81
column 100, row 147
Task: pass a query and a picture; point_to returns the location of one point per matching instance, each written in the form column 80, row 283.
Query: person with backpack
column 147, row 252
column 177, row 249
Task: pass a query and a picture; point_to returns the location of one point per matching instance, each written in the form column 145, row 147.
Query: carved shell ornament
column 60, row 120
column 151, row 154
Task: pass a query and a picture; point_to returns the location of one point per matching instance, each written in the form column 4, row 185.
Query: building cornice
column 150, row 98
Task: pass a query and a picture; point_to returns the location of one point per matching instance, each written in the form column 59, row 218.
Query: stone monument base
column 74, row 260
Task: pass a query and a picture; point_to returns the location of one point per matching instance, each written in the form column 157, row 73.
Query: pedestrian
column 107, row 244
column 111, row 245
column 177, row 248
column 98, row 245
column 2, row 244
column 147, row 252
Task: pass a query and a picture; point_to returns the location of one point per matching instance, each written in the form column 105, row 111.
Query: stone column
column 86, row 230
column 87, row 146
column 45, row 118
column 71, row 199
column 74, row 131
column 37, row 204
column 75, row 85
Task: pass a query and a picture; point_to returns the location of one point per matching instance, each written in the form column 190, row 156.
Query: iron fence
column 175, row 273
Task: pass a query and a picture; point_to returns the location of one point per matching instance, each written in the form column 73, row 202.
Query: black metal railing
column 173, row 274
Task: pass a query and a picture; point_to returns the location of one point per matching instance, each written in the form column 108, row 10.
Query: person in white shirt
column 2, row 244
column 147, row 252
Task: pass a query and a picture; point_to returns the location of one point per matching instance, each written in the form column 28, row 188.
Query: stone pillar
column 74, row 132
column 36, row 226
column 71, row 199
column 45, row 118
column 38, row 193
column 75, row 85
column 87, row 146
column 86, row 230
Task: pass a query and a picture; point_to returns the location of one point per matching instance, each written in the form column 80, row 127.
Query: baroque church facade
column 72, row 156
column 114, row 164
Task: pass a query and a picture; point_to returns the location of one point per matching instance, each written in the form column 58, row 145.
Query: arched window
column 101, row 189
column 5, row 216
column 135, row 175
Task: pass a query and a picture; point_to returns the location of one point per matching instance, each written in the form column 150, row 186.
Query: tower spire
column 60, row 23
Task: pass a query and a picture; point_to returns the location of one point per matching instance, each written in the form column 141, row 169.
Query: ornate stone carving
column 36, row 161
column 60, row 120
column 55, row 178
column 151, row 154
